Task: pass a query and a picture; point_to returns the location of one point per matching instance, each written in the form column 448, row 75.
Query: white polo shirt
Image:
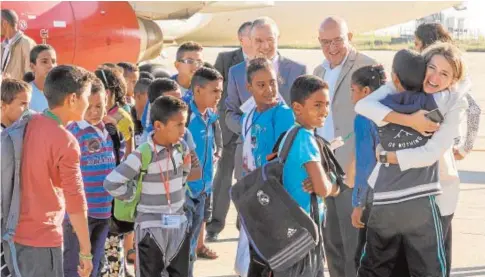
column 330, row 77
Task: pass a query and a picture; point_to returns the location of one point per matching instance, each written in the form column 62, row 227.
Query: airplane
column 88, row 33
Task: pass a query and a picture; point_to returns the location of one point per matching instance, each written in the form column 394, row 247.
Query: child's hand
column 379, row 149
column 217, row 156
column 356, row 218
column 336, row 143
column 422, row 124
column 308, row 186
column 109, row 120
column 457, row 154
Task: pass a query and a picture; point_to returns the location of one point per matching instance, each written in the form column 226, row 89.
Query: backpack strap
column 330, row 163
column 315, row 214
column 189, row 115
column 146, row 158
column 290, row 138
column 115, row 137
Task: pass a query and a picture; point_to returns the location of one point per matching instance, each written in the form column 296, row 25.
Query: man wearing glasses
column 341, row 60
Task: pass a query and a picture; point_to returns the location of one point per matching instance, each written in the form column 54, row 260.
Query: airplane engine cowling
column 89, row 33
column 151, row 39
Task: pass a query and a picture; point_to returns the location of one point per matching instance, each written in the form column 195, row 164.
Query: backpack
column 126, row 211
column 116, row 226
column 12, row 140
column 329, row 161
column 262, row 201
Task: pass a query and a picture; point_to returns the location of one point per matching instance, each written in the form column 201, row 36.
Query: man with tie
column 341, row 60
column 225, row 169
column 15, row 48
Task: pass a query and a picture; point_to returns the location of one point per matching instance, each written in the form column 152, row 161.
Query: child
column 262, row 126
column 167, row 87
column 114, row 83
column 161, row 226
column 28, row 77
column 207, row 88
column 364, row 81
column 42, row 59
column 156, row 89
column 141, row 100
column 147, row 75
column 16, row 96
column 404, row 201
column 97, row 161
column 188, row 60
column 131, row 74
column 51, row 179
column 310, row 102
column 189, row 94
column 115, row 86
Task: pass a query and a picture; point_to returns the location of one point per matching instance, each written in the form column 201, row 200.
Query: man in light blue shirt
column 331, row 77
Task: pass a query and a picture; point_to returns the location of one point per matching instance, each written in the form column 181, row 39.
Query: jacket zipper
column 205, row 151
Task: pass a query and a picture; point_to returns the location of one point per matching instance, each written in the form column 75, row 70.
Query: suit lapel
column 349, row 63
column 283, row 72
column 242, row 83
column 237, row 57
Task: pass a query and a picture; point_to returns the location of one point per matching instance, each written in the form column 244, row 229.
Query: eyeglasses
column 336, row 41
column 197, row 63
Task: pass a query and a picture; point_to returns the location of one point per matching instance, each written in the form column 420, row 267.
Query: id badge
column 336, row 143
column 171, row 221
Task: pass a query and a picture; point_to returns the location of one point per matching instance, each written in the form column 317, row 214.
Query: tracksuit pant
column 412, row 226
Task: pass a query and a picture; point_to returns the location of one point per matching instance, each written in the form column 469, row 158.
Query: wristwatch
column 383, row 158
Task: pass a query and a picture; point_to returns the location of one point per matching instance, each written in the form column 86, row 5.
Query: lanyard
column 347, row 136
column 49, row 114
column 165, row 179
column 253, row 121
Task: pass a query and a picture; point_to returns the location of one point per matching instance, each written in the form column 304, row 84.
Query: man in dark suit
column 225, row 169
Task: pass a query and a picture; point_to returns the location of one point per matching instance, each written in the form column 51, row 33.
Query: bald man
column 16, row 47
column 341, row 60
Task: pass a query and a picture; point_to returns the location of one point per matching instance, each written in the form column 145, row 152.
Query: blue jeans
column 98, row 232
column 195, row 215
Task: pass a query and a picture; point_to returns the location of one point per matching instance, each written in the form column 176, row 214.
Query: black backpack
column 329, row 161
column 279, row 231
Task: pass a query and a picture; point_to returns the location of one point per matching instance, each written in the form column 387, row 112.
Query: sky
column 475, row 14
column 475, row 19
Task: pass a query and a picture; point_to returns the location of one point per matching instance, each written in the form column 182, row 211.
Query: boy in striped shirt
column 97, row 161
column 160, row 224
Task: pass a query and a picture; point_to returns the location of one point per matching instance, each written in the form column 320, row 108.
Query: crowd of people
column 130, row 164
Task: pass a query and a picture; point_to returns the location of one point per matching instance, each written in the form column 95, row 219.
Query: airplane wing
column 298, row 21
column 172, row 10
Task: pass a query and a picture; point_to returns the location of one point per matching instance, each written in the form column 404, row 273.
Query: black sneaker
column 211, row 237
